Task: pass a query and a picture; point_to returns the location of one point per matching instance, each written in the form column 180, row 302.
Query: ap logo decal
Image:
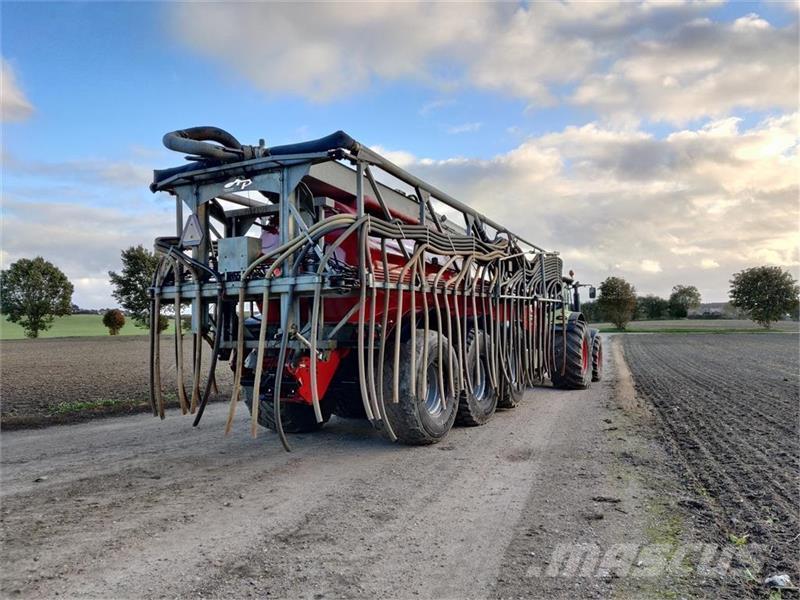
column 238, row 184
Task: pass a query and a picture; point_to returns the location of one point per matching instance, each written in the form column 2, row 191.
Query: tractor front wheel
column 597, row 358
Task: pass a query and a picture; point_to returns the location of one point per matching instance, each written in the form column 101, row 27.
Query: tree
column 131, row 285
column 766, row 293
column 683, row 298
column 114, row 320
column 589, row 310
column 617, row 301
column 33, row 292
column 651, row 307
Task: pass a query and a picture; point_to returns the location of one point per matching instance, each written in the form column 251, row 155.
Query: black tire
column 295, row 417
column 420, row 420
column 477, row 407
column 510, row 394
column 578, row 369
column 348, row 405
column 344, row 392
column 597, row 358
column 511, row 390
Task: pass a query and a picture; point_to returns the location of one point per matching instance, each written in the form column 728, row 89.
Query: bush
column 114, row 319
column 163, row 323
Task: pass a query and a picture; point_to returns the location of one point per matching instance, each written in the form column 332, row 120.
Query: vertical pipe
column 413, row 324
column 384, row 323
column 237, row 378
column 157, row 357
column 179, row 339
column 178, row 217
column 262, row 334
column 426, row 328
column 368, row 406
column 219, row 321
column 276, row 398
column 152, row 372
column 373, row 392
column 316, row 308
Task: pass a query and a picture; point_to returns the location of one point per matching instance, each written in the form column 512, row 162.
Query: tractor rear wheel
column 597, row 358
column 421, row 419
column 296, row 417
column 477, row 406
column 573, row 370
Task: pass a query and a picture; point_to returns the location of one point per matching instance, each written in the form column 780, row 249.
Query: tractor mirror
column 592, row 292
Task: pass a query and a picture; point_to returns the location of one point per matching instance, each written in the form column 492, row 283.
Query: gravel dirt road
column 130, row 507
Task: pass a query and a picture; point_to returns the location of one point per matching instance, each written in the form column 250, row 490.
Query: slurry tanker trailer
column 337, row 283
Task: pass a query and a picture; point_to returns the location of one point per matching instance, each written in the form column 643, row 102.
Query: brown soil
column 727, row 408
column 37, row 377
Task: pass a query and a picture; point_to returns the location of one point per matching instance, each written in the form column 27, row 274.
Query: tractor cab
column 571, row 291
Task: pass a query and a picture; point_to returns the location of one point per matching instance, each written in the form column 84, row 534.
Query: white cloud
column 464, row 128
column 435, row 105
column 331, row 50
column 691, row 208
column 700, row 69
column 398, row 157
column 79, row 214
column 14, row 105
column 657, row 60
column 83, row 241
column 96, row 171
column 650, row 266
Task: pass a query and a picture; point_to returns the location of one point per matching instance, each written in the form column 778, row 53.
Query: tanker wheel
column 511, row 389
column 578, row 367
column 597, row 358
column 424, row 419
column 478, row 406
column 295, row 417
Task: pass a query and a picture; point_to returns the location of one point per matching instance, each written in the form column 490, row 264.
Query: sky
column 654, row 141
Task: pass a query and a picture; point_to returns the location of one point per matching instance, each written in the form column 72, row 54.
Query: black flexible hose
column 220, row 320
column 194, row 140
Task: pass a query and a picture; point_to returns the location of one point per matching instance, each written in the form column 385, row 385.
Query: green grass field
column 70, row 326
column 92, row 325
column 698, row 326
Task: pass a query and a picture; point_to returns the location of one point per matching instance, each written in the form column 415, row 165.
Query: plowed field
column 728, row 409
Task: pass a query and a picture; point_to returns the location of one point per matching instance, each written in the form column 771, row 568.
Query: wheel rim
column 479, row 388
column 433, row 396
column 585, row 356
